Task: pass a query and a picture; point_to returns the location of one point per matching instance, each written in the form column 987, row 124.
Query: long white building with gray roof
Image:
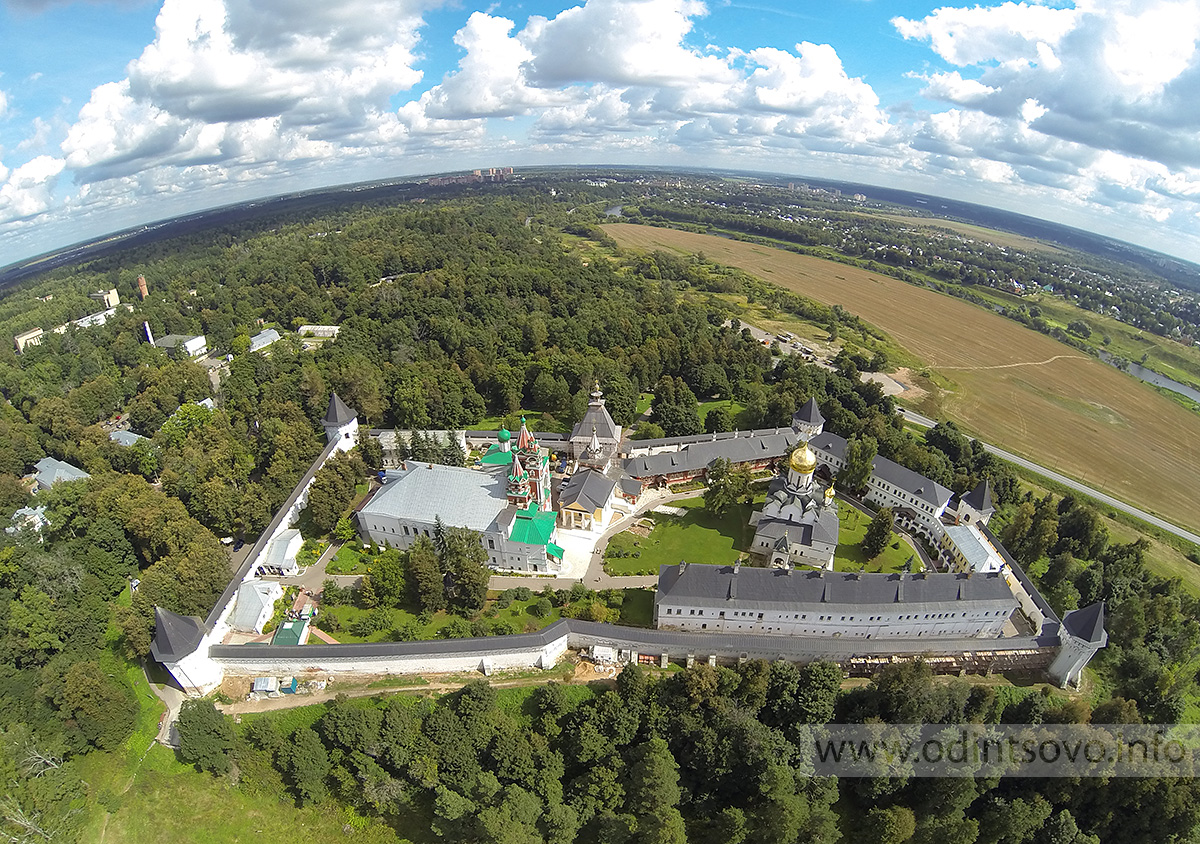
column 784, row 602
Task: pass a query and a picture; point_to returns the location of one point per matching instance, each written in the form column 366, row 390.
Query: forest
column 477, row 305
column 704, row 755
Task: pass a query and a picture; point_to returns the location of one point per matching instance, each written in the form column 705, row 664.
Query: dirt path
column 242, row 707
column 1015, row 365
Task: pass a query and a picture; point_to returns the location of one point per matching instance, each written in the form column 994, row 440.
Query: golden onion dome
column 803, row 460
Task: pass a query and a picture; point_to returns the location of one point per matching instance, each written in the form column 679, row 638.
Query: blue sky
column 118, row 113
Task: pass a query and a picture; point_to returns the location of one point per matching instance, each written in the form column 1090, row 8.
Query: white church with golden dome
column 798, row 524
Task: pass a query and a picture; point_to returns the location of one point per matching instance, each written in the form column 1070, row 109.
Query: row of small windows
column 804, row 616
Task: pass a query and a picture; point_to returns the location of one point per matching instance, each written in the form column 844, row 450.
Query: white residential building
column 787, row 602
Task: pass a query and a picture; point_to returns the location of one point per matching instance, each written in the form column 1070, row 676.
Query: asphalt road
column 1071, row 483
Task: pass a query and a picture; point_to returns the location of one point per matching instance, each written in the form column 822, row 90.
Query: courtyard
column 697, row 536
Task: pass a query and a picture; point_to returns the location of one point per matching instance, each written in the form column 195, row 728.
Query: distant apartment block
column 109, row 298
column 490, row 174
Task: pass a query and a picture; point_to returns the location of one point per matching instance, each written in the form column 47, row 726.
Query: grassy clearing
column 169, row 801
column 1001, row 381
column 849, row 555
column 349, row 560
column 736, row 409
column 519, row 615
column 698, row 537
column 643, row 403
column 638, row 608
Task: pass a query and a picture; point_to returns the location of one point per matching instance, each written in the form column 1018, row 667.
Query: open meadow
column 1005, row 383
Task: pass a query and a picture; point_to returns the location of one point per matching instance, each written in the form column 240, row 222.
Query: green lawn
column 638, row 608
column 737, row 410
column 349, row 560
column 643, row 403
column 849, row 555
column 519, row 614
column 698, row 537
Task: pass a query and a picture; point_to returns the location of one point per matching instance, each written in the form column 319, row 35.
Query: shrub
column 503, row 628
column 522, row 593
column 479, row 629
column 409, row 631
column 456, row 628
column 543, row 608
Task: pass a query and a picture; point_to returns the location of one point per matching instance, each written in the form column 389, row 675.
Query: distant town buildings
column 490, row 174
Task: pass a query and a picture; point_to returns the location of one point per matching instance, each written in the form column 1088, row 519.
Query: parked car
column 237, row 546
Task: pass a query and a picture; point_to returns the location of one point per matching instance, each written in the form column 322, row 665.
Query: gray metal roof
column 263, row 339
column 588, row 488
column 646, row 641
column 125, row 438
column 640, row 448
column 252, row 597
column 704, row 585
column 914, row 483
column 50, row 471
column 461, row 497
column 338, row 413
column 699, row 455
column 175, row 636
column 596, row 415
column 972, row 546
column 630, row 486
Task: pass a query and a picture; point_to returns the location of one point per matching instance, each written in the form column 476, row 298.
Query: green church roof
column 504, row 436
column 533, row 526
column 496, row 456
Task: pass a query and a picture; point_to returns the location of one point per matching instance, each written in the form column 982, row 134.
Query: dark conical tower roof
column 981, row 497
column 175, row 636
column 338, row 413
column 809, row 414
column 1087, row 623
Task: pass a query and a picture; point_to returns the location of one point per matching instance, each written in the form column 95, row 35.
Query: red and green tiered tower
column 537, row 463
column 518, row 484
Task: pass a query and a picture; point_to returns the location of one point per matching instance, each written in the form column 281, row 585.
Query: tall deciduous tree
column 425, row 576
column 860, row 458
column 879, row 533
column 205, row 736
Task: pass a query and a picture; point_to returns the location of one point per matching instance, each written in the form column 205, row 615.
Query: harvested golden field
column 1009, row 385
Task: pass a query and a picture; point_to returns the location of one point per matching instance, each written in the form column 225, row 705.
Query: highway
column 926, row 422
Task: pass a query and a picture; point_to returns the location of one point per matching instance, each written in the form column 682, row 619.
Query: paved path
column 1071, row 483
column 173, row 698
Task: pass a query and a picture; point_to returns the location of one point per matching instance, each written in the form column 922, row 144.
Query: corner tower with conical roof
column 808, row 421
column 1082, row 634
column 179, row 645
column 341, row 424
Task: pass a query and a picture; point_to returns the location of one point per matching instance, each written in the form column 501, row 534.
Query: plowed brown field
column 1011, row 386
